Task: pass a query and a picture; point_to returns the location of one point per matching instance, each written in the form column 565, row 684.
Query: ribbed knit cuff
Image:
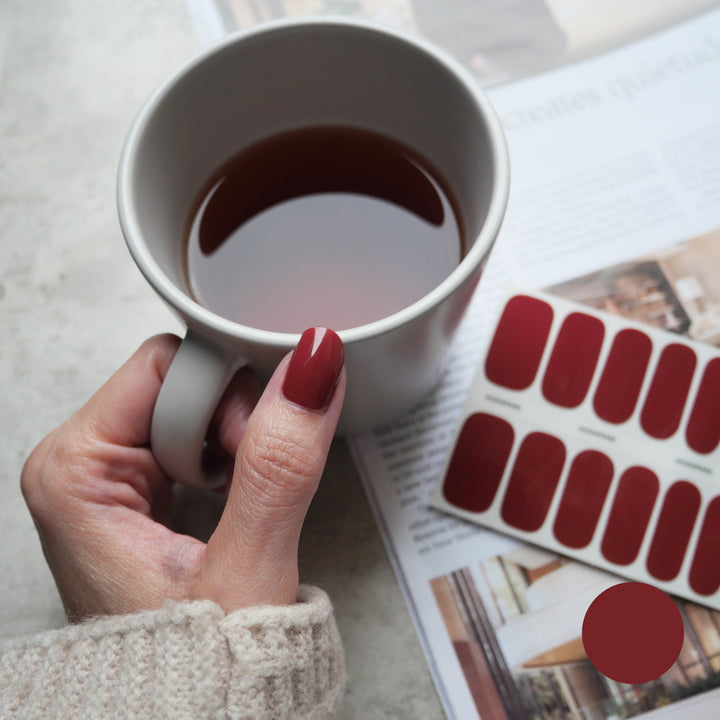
column 185, row 660
column 287, row 659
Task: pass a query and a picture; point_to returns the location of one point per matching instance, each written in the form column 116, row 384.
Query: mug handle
column 190, row 393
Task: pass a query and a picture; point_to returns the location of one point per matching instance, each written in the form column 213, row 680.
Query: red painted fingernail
column 314, row 369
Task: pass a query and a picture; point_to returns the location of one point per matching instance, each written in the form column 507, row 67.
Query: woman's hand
column 99, row 499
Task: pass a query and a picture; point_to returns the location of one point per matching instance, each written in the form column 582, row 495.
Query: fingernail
column 314, row 368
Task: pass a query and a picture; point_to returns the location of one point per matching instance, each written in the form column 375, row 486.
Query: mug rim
column 199, row 315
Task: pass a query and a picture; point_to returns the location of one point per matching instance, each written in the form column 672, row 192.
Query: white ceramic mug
column 269, row 79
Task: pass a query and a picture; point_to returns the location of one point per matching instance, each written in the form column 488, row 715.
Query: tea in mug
column 320, row 226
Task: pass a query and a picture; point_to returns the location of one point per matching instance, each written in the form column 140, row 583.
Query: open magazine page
column 612, row 116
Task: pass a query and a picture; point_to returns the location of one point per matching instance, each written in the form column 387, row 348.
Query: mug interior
column 299, row 74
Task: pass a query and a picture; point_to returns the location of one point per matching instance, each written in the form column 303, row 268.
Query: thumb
column 252, row 556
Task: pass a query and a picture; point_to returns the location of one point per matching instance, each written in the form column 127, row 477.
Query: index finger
column 120, row 412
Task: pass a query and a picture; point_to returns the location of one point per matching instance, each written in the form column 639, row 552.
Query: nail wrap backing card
column 598, row 438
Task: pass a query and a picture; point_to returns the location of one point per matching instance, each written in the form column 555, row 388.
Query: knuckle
column 182, row 562
column 159, row 346
column 41, row 480
column 281, row 467
column 32, row 477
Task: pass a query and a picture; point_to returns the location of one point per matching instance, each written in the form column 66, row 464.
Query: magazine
column 612, row 114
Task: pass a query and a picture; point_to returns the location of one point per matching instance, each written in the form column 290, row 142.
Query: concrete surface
column 73, row 308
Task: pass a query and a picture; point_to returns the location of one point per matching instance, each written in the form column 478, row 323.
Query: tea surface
column 327, row 226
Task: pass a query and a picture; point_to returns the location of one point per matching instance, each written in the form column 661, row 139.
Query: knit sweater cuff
column 185, row 660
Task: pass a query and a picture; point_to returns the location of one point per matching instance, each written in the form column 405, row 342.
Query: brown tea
column 326, row 226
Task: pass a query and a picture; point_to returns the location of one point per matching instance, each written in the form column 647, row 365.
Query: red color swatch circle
column 632, row 632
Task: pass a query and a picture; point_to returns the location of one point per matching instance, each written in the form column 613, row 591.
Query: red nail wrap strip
column 622, row 376
column 673, row 530
column 533, row 481
column 519, row 341
column 587, row 485
column 703, row 428
column 705, row 568
column 630, row 514
column 572, row 362
column 478, row 462
column 665, row 401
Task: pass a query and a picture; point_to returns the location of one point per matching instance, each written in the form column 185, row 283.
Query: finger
column 229, row 421
column 233, row 411
column 252, row 556
column 120, row 412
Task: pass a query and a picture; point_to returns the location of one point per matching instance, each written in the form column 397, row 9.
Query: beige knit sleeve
column 185, row 660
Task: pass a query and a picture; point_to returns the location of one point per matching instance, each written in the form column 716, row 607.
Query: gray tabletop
column 73, row 307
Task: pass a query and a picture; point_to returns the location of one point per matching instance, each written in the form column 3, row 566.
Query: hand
column 99, row 498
